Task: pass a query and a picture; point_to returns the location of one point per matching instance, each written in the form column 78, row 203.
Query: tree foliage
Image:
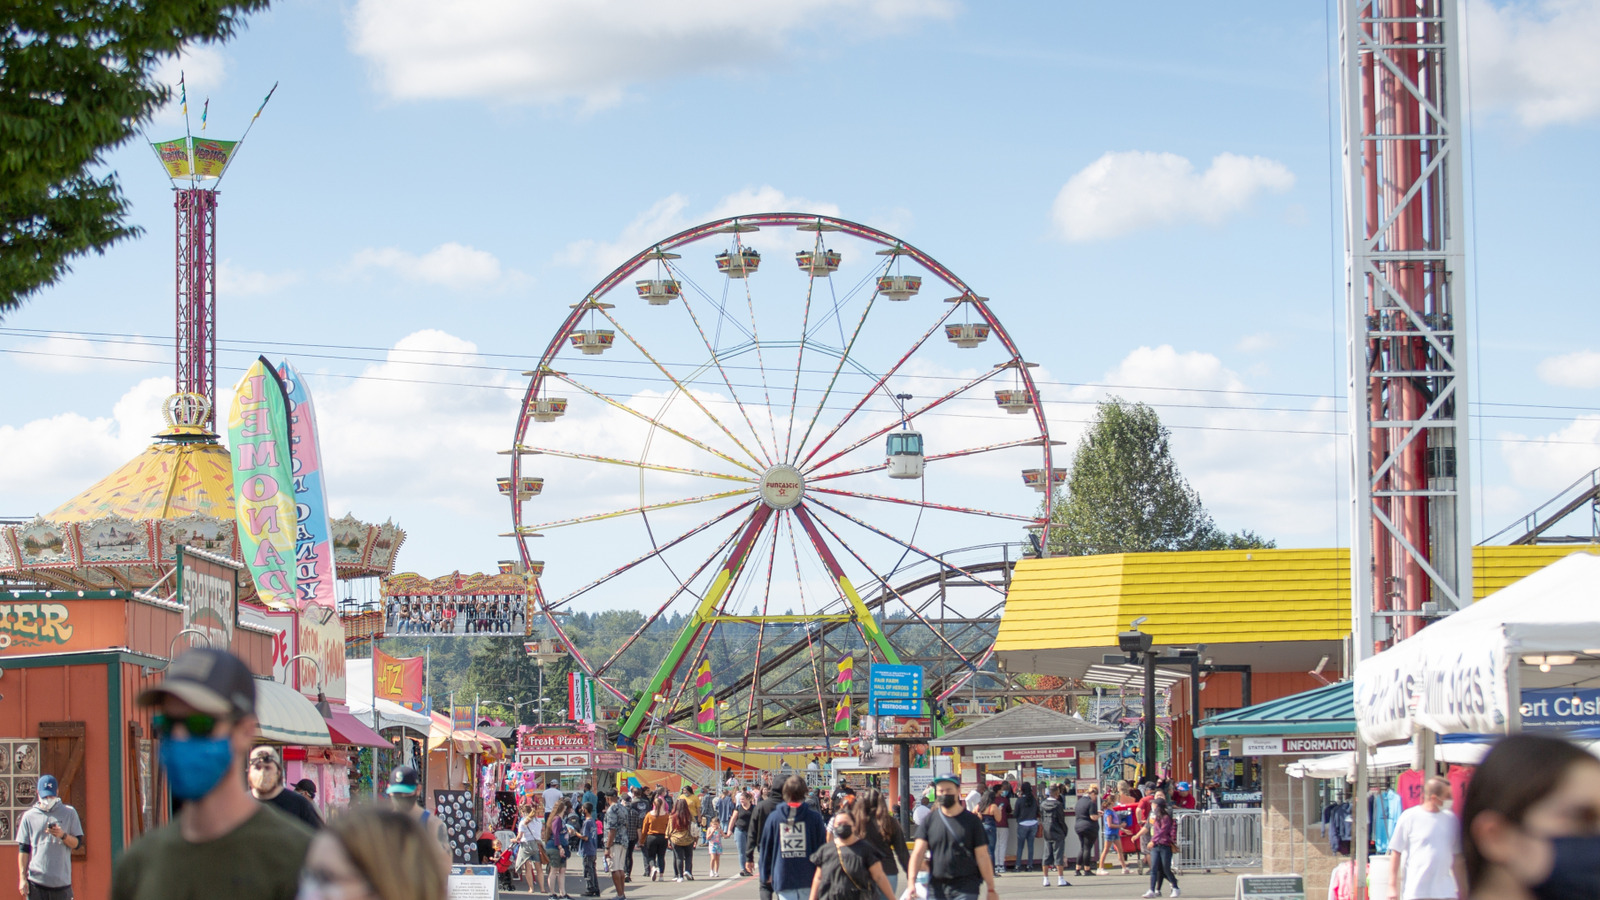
column 1126, row 495
column 76, row 80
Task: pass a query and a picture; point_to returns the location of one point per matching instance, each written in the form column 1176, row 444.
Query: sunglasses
column 198, row 724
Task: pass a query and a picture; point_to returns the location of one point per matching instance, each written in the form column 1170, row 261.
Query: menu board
column 19, row 782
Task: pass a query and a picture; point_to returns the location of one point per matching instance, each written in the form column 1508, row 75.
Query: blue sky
column 1144, row 197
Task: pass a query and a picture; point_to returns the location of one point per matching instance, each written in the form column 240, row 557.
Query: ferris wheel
column 741, row 452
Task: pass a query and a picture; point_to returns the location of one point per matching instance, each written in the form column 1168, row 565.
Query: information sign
column 472, row 883
column 895, row 690
column 1270, row 887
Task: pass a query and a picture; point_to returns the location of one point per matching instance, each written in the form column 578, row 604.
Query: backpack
column 1049, row 828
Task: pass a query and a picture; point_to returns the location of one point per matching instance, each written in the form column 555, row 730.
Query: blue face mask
column 195, row 765
column 1576, row 871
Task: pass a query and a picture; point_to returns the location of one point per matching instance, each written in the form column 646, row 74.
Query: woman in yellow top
column 654, row 834
column 694, row 802
column 680, row 834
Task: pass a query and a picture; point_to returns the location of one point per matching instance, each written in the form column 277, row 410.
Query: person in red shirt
column 1182, row 797
column 1151, row 795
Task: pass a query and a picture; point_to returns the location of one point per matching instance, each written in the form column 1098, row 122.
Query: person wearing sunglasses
column 222, row 843
column 266, row 784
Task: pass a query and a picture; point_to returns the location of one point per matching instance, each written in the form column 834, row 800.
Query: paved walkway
column 1199, row 886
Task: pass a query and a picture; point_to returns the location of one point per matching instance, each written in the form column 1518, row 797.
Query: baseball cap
column 403, row 780
column 950, row 778
column 211, row 681
column 307, row 785
column 1182, row 785
column 47, row 786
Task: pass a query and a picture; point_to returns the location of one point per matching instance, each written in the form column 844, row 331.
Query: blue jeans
column 1025, row 833
column 1161, row 867
column 796, row 894
column 991, row 832
column 742, row 836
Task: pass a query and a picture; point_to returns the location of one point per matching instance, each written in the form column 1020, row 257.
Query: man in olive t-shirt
column 223, row 843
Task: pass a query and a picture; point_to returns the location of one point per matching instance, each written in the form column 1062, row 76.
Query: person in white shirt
column 973, row 799
column 1427, row 838
column 552, row 796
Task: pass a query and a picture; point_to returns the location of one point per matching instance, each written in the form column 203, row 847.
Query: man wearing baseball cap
column 405, row 795
column 222, row 843
column 952, row 848
column 46, row 836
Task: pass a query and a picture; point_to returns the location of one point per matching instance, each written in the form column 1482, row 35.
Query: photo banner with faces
column 19, row 783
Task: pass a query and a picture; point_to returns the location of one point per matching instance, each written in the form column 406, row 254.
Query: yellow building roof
column 1212, row 597
column 169, row 480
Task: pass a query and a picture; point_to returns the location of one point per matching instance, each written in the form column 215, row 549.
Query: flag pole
column 374, row 658
column 240, row 145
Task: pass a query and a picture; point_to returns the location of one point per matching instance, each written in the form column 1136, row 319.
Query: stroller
column 502, row 867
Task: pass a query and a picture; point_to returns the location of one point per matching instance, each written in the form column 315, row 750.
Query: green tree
column 1126, row 495
column 76, row 80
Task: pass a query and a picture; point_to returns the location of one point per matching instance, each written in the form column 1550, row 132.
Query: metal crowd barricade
column 1218, row 839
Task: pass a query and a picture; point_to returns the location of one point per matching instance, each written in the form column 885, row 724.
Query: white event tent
column 358, row 696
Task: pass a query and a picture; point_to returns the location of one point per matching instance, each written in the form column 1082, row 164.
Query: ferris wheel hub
column 782, row 487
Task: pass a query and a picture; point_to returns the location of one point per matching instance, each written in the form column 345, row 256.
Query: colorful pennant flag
column 841, row 716
column 398, row 679
column 183, row 93
column 847, row 675
column 203, row 110
column 462, row 719
column 706, row 716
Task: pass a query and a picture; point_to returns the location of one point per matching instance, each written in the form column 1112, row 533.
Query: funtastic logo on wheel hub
column 782, row 487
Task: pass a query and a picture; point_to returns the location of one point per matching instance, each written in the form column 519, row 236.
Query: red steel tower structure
column 1405, row 281
column 196, row 270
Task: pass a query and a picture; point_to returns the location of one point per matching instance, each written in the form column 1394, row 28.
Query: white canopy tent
column 1384, row 759
column 1462, row 674
column 358, row 696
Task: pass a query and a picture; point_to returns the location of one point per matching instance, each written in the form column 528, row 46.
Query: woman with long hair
column 988, row 813
column 530, row 840
column 1027, row 816
column 654, row 832
column 557, row 848
column 1163, row 831
column 880, row 829
column 382, row 853
column 1530, row 827
column 680, row 834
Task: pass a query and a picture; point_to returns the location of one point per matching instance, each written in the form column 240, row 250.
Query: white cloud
column 61, row 352
column 1550, row 462
column 46, row 461
column 1259, row 342
column 666, row 217
column 593, row 51
column 448, row 265
column 1536, row 60
column 1574, row 370
column 1122, row 192
column 203, row 69
column 235, row 281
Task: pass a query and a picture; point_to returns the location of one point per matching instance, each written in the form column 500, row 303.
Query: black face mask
column 1575, row 872
column 948, row 801
column 844, row 831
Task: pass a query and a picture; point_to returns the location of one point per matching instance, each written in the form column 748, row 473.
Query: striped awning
column 288, row 718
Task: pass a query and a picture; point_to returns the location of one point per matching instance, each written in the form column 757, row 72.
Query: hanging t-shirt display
column 1460, row 777
column 1409, row 786
column 1383, row 808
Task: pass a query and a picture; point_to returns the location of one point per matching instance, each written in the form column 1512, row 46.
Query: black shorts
column 1055, row 852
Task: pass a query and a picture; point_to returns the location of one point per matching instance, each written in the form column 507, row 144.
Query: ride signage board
column 208, row 588
column 895, row 690
column 1029, row 754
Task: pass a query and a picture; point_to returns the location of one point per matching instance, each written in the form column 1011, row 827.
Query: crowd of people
column 487, row 614
column 1528, row 828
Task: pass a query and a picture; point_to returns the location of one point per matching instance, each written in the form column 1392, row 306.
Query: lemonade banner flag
column 398, row 679
column 174, row 157
column 313, row 552
column 841, row 716
column 847, row 675
column 211, row 157
column 263, row 486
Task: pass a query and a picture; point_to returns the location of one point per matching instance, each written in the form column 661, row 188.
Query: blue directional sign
column 895, row 690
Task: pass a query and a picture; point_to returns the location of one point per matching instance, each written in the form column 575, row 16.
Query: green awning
column 1325, row 710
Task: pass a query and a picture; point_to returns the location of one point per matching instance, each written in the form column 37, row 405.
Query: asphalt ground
column 1216, row 885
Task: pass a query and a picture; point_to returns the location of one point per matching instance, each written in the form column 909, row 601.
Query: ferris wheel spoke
column 844, row 356
column 867, row 395
column 654, row 553
column 763, row 460
column 761, row 362
column 891, row 426
column 811, row 651
column 644, row 508
column 655, row 467
column 938, row 561
column 923, row 504
column 800, row 352
column 887, row 587
column 664, row 427
column 932, row 457
column 716, row 359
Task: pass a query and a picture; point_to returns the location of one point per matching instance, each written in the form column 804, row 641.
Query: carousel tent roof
column 169, row 480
